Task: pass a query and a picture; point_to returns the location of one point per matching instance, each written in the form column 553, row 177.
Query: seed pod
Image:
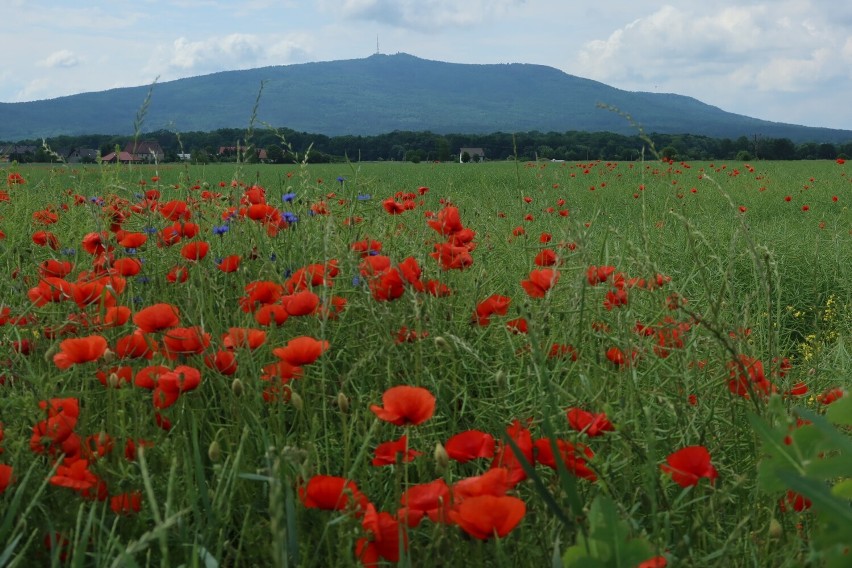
column 342, row 402
column 442, row 458
column 214, row 452
column 237, row 387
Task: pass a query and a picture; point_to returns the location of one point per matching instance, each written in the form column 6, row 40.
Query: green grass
column 220, row 488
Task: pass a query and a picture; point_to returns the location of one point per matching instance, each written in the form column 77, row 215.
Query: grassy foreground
column 611, row 364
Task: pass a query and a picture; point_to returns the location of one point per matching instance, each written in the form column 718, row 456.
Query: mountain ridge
column 382, row 93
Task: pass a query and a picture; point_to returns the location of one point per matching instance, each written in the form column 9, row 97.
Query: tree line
column 287, row 146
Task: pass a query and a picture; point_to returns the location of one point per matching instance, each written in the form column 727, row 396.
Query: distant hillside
column 383, row 93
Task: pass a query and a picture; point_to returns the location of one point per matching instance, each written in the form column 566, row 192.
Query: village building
column 473, row 154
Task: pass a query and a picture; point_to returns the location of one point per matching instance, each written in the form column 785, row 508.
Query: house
column 82, row 156
column 17, row 152
column 123, row 157
column 232, row 151
column 473, row 154
column 145, row 151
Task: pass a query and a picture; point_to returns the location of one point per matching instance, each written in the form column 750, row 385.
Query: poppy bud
column 237, row 387
column 48, row 355
column 442, row 458
column 443, row 344
column 214, row 452
column 342, row 402
column 113, row 381
column 108, row 356
column 296, row 401
column 775, row 529
column 501, row 379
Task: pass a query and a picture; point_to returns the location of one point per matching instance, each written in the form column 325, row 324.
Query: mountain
column 383, row 93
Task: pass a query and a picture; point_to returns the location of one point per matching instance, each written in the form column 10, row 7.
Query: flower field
column 565, row 364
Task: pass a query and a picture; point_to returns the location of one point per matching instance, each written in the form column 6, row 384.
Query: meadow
column 498, row 364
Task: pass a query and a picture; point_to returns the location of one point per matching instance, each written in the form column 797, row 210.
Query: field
column 501, row 364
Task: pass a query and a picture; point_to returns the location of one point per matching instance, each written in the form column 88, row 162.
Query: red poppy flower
column 116, row 316
column 126, row 503
column 540, row 282
column 75, row 475
column 405, row 405
column 794, row 501
column 752, row 380
column 136, row 345
column 177, row 275
column 590, row 424
column 147, row 377
column 301, row 303
column 270, row 313
column 157, row 317
column 831, row 395
column 688, row 465
column 494, row 482
column 127, row 266
column 615, row 298
column 45, row 239
column 55, row 268
column 331, row 493
column 546, row 257
column 302, row 350
column 452, row 257
column 425, row 500
column 517, row 325
column 195, row 250
column 507, row 457
column 487, row 516
column 448, row 221
column 95, row 243
column 494, row 304
column 573, row 456
column 243, row 337
column 6, row 472
column 598, row 274
column 229, row 263
column 185, row 341
column 79, row 350
column 383, row 540
column 174, row 210
column 224, row 362
column 387, row 452
column 470, row 445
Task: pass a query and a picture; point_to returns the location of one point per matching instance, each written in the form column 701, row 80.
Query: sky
column 780, row 60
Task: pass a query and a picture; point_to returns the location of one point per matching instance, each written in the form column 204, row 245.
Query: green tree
column 199, row 156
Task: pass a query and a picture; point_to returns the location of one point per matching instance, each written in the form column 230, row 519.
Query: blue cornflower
column 356, row 281
column 150, row 230
column 130, row 251
column 69, row 251
column 341, row 179
column 290, row 217
column 364, row 197
column 143, row 279
column 221, row 229
column 288, row 197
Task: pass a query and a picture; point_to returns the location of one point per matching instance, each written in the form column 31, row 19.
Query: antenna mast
column 377, row 44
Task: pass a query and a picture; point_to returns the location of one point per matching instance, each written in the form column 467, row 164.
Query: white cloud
column 748, row 45
column 422, row 15
column 234, row 51
column 61, row 58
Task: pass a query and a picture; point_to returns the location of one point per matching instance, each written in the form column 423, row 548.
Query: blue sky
column 787, row 61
